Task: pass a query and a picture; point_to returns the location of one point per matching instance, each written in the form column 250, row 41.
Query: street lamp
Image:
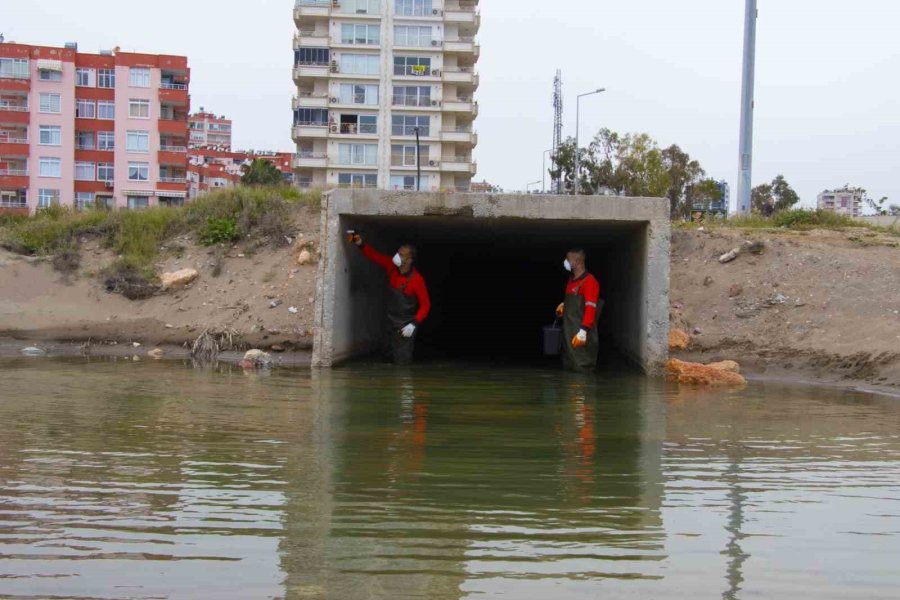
column 577, row 127
column 528, row 185
column 544, row 173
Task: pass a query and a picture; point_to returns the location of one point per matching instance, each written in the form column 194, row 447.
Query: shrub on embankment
column 796, row 220
column 253, row 216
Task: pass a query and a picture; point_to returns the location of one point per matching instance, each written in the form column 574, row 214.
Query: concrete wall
column 632, row 235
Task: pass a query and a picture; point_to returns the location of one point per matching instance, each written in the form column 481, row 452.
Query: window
column 105, row 172
column 406, row 125
column 139, row 77
column 85, row 77
column 85, row 109
column 139, row 109
column 357, row 180
column 359, row 94
column 84, row 140
column 14, row 68
column 361, row 7
column 106, row 78
column 49, row 103
column 197, row 137
column 412, row 65
column 413, row 36
column 404, row 155
column 413, row 8
column 84, row 200
column 312, row 56
column 50, row 167
column 49, row 75
column 84, row 171
column 138, row 171
column 311, row 117
column 412, row 95
column 360, row 64
column 47, row 198
column 407, row 182
column 352, row 33
column 359, row 124
column 106, row 140
column 138, row 202
column 106, row 109
column 50, row 135
column 358, row 154
column 138, row 141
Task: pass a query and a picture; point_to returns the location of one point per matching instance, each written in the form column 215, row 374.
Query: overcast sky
column 828, row 91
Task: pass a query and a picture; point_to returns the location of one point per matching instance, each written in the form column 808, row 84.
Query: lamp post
column 418, row 163
column 528, row 185
column 544, row 173
column 577, row 127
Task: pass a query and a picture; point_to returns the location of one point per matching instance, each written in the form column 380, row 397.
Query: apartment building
column 371, row 76
column 214, row 168
column 209, row 130
column 80, row 130
column 844, row 201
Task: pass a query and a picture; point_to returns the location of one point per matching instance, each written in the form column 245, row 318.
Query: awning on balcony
column 46, row 64
column 171, row 194
column 138, row 193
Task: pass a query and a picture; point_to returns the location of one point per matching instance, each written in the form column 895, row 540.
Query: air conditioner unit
column 334, row 128
column 109, row 185
column 434, row 42
column 434, row 102
column 435, row 12
column 334, row 100
column 432, row 163
column 436, row 72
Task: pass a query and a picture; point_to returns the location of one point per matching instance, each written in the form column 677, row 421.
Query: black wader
column 401, row 311
column 584, row 359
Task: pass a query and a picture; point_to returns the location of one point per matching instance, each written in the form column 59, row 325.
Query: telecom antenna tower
column 557, row 127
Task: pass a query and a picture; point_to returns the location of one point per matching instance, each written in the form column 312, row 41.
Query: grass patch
column 255, row 216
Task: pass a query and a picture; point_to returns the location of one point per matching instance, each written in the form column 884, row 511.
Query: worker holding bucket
column 579, row 312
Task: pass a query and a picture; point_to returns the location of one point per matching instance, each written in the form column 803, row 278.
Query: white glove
column 582, row 336
column 408, row 331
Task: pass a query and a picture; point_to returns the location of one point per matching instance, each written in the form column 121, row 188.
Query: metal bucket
column 553, row 337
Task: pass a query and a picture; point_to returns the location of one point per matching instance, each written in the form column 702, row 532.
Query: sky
column 827, row 95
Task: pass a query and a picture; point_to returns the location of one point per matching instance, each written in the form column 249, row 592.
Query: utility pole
column 577, row 129
column 557, row 186
column 745, row 172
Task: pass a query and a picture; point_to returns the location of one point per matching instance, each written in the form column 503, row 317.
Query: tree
column 261, row 172
column 703, row 195
column 684, row 173
column 894, row 210
column 772, row 197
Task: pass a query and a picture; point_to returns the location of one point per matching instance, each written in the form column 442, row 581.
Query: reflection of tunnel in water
column 496, row 283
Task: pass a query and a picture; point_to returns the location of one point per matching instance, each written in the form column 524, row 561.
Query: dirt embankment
column 819, row 306
column 246, row 295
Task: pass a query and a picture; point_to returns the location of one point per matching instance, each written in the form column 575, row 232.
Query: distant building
column 718, row 209
column 209, row 130
column 214, row 168
column 844, row 201
column 485, row 188
column 81, row 130
column 370, row 75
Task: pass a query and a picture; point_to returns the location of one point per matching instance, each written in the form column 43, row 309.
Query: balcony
column 310, row 38
column 172, row 157
column 462, row 45
column 175, row 126
column 15, row 84
column 460, row 75
column 304, row 70
column 462, row 15
column 460, row 105
column 16, row 177
column 458, row 164
column 402, row 101
column 311, row 160
column 310, row 130
column 366, row 129
column 310, row 100
column 173, row 93
column 305, row 10
column 13, row 145
column 460, row 135
column 14, row 112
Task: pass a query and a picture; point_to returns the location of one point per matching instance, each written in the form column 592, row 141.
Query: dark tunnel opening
column 495, row 283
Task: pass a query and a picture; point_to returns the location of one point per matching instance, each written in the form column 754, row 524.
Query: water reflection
column 151, row 480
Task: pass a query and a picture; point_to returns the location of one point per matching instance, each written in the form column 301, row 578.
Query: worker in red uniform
column 579, row 313
column 408, row 303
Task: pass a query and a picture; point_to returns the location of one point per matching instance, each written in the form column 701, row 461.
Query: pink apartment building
column 209, row 131
column 80, row 130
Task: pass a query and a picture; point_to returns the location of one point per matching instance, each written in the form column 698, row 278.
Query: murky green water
column 140, row 480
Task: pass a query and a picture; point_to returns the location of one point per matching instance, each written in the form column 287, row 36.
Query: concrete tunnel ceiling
column 494, row 278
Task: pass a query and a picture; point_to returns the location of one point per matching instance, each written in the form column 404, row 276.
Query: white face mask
column 398, row 261
column 567, row 265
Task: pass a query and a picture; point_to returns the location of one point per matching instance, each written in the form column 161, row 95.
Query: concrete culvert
column 493, row 264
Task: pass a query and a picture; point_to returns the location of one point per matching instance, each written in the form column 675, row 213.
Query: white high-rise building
column 370, row 74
